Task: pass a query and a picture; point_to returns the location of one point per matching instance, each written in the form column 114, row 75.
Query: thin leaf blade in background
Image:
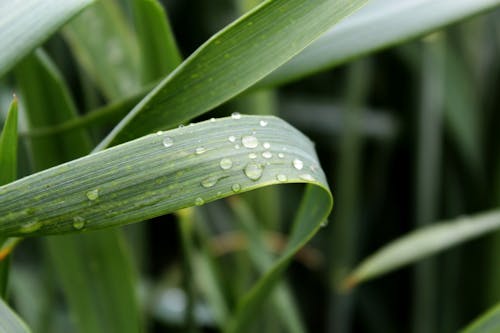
column 25, row 24
column 489, row 322
column 422, row 243
column 9, row 321
column 159, row 52
column 231, row 61
column 379, row 25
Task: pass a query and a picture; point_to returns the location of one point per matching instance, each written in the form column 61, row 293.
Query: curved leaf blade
column 380, row 24
column 25, row 24
column 231, row 61
column 489, row 322
column 9, row 321
column 8, row 146
column 422, row 243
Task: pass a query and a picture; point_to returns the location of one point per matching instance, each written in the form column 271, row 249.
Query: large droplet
column 31, row 226
column 253, row 171
column 235, row 115
column 93, row 194
column 249, row 141
column 200, row 150
column 78, row 222
column 199, row 201
column 281, row 178
column 236, row 187
column 225, row 164
column 168, row 141
column 297, row 164
column 209, row 181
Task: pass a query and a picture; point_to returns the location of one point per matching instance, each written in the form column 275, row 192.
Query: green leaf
column 231, row 61
column 380, row 24
column 94, row 270
column 423, row 243
column 27, row 24
column 8, row 173
column 159, row 51
column 9, row 321
column 106, row 48
column 489, row 322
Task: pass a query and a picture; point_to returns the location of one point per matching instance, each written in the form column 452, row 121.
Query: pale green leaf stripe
column 380, row 24
column 25, row 24
column 143, row 178
column 231, row 61
column 9, row 321
column 486, row 323
column 422, row 243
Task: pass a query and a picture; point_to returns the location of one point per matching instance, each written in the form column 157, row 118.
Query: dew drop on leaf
column 209, row 181
column 168, row 142
column 252, row 156
column 249, row 141
column 235, row 115
column 200, row 150
column 253, row 171
column 93, row 194
column 297, row 164
column 281, row 178
column 199, row 201
column 263, row 123
column 266, row 145
column 267, row 154
column 31, row 226
column 232, row 138
column 307, row 177
column 78, row 222
column 236, row 187
column 225, row 164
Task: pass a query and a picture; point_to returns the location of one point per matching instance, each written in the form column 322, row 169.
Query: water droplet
column 159, row 133
column 78, row 222
column 281, row 178
column 200, row 150
column 263, row 123
column 297, row 164
column 209, row 181
column 249, row 141
column 31, row 226
column 252, row 155
column 225, row 164
column 236, row 187
column 167, row 141
column 93, row 194
column 180, row 126
column 253, row 171
column 306, row 176
column 232, row 138
column 199, row 201
column 212, row 120
column 266, row 145
column 324, row 223
column 235, row 115
column 236, row 146
column 281, row 155
column 267, row 154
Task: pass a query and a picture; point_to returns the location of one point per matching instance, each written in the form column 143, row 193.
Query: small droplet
column 199, row 201
column 200, row 150
column 225, row 164
column 180, row 126
column 31, row 226
column 209, row 181
column 324, row 223
column 281, row 155
column 159, row 133
column 235, row 115
column 253, row 171
column 267, row 154
column 232, row 138
column 297, row 164
column 78, row 222
column 252, row 156
column 266, row 145
column 249, row 141
column 167, row 141
column 307, row 177
column 263, row 123
column 236, row 146
column 212, row 120
column 93, row 194
column 281, row 178
column 236, row 187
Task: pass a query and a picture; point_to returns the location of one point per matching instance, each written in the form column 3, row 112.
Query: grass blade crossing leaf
column 423, row 243
column 8, row 173
column 486, row 323
column 379, row 25
column 9, row 321
column 231, row 61
column 28, row 23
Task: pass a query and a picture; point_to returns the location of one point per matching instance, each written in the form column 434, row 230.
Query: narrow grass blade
column 106, row 48
column 8, row 173
column 159, row 52
column 381, row 24
column 25, row 24
column 9, row 321
column 231, row 61
column 486, row 323
column 94, row 270
column 422, row 243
